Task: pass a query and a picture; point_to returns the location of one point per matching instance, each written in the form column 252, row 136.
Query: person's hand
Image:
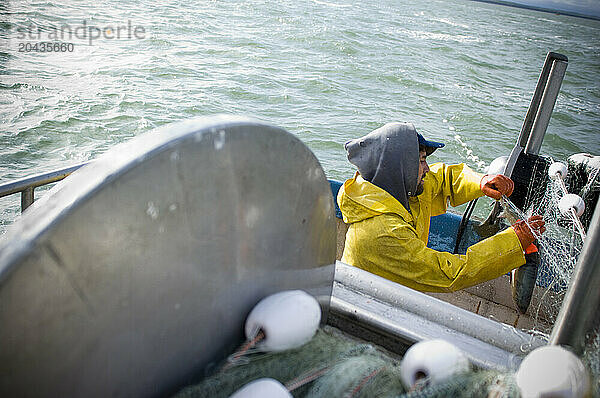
column 524, row 232
column 496, row 185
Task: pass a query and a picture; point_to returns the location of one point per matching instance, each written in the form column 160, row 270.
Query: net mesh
column 345, row 367
column 561, row 244
column 489, row 383
column 335, row 365
column 591, row 358
column 559, row 248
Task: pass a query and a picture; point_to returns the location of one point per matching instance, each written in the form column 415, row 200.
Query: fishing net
column 362, row 376
column 489, row 383
column 335, row 365
column 559, row 248
column 561, row 244
column 330, row 365
column 591, row 357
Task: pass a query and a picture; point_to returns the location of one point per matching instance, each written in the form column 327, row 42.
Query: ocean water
column 463, row 72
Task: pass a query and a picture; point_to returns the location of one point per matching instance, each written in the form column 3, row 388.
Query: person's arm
column 455, row 183
column 459, row 184
column 400, row 256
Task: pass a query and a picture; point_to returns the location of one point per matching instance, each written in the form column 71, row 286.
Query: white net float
column 571, row 201
column 589, row 161
column 552, row 371
column 288, row 320
column 432, row 361
column 497, row 166
column 262, row 388
column 557, row 170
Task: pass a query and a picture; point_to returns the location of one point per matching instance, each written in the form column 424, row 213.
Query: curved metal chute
column 136, row 273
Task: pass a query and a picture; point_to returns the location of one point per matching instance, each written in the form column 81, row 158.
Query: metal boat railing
column 26, row 186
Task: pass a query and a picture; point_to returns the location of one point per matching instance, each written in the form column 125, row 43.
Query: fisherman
column 388, row 204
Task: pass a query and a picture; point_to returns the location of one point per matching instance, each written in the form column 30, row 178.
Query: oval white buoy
column 571, row 201
column 434, row 360
column 288, row 319
column 262, row 388
column 552, row 371
column 557, row 170
column 497, row 166
column 588, row 161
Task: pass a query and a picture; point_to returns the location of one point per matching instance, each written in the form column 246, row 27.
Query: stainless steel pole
column 542, row 118
column 540, row 109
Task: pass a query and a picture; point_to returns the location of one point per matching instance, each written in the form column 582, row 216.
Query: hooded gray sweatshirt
column 389, row 158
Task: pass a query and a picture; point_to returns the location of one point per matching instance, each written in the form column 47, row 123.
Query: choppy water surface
column 326, row 71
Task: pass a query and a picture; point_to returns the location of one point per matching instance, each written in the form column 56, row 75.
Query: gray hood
column 389, row 158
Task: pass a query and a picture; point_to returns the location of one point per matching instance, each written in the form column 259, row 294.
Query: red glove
column 496, row 185
column 524, row 233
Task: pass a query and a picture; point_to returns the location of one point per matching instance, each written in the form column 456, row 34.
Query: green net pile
column 482, row 384
column 347, row 368
column 347, row 362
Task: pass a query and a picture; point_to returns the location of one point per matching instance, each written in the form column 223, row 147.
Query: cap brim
column 430, row 146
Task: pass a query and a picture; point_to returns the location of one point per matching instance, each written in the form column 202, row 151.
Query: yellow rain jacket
column 387, row 240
